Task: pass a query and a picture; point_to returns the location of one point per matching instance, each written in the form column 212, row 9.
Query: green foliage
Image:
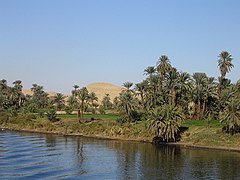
column 4, row 117
column 230, row 117
column 101, row 109
column 165, row 122
column 68, row 110
column 51, row 115
column 106, row 102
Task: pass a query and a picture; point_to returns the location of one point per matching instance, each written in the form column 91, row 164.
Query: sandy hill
column 29, row 92
column 101, row 89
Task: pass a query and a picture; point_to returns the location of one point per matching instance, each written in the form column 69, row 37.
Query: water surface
column 46, row 156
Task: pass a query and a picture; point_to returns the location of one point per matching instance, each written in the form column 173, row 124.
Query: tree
column 140, row 89
column 59, row 101
column 149, row 71
column 230, row 117
column 106, row 102
column 200, row 79
column 165, row 122
column 127, row 106
column 93, row 99
column 128, row 85
column 163, row 66
column 39, row 98
column 83, row 98
column 18, row 96
column 225, row 65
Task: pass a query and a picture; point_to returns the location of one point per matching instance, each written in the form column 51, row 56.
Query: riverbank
column 194, row 137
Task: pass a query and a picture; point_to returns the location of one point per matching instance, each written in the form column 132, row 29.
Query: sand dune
column 102, row 88
column 29, row 92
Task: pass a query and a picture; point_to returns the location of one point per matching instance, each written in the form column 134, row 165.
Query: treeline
column 164, row 98
column 13, row 101
column 168, row 96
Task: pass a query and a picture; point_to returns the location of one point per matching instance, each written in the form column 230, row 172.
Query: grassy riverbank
column 199, row 133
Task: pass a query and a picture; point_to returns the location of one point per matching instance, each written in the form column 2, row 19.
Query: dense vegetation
column 163, row 100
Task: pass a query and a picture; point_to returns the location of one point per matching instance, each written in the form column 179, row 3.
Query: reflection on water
column 46, row 156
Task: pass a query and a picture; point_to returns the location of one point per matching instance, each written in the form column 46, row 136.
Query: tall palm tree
column 172, row 83
column 127, row 105
column 83, row 98
column 149, row 71
column 225, row 65
column 128, row 85
column 140, row 89
column 199, row 79
column 93, row 99
column 74, row 92
column 163, row 65
column 184, row 89
column 59, row 101
column 19, row 96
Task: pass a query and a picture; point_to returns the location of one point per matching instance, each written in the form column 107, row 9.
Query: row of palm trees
column 13, row 99
column 167, row 96
column 163, row 98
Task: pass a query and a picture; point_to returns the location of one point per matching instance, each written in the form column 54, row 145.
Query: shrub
column 68, row 110
column 52, row 116
column 4, row 117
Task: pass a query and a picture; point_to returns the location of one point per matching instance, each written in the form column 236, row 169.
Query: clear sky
column 59, row 43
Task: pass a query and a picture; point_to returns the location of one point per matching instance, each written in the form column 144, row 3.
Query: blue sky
column 59, row 43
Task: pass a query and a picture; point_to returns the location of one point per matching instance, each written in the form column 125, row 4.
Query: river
column 26, row 155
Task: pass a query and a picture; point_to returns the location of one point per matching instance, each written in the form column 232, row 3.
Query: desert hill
column 101, row 89
column 29, row 92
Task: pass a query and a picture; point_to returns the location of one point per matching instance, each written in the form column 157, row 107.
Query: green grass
column 89, row 116
column 212, row 123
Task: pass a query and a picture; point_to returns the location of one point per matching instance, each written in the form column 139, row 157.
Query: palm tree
column 83, row 98
column 74, row 92
column 172, row 83
column 127, row 105
column 149, row 71
column 59, row 101
column 165, row 122
column 184, row 89
column 163, row 66
column 200, row 80
column 92, row 97
column 128, row 85
column 225, row 65
column 19, row 96
column 230, row 117
column 106, row 102
column 140, row 89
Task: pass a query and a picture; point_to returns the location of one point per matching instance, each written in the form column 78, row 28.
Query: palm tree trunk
column 204, row 106
column 78, row 115
column 198, row 109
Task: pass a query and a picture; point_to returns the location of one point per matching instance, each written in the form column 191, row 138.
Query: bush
column 30, row 116
column 4, row 117
column 101, row 109
column 52, row 116
column 68, row 110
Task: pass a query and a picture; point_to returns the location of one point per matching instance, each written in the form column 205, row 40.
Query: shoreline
column 181, row 144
